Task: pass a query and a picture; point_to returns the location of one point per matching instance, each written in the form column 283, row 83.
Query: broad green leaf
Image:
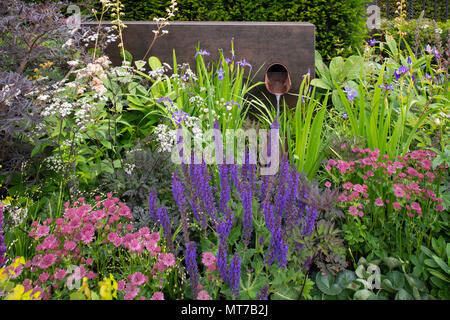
column 320, row 83
column 397, row 279
column 392, row 263
column 403, row 295
column 416, row 283
column 285, row 293
column 327, row 284
column 363, row 294
column 442, row 264
column 128, row 56
column 337, row 69
column 154, row 63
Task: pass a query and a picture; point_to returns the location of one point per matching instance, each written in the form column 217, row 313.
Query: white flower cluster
column 18, row 215
column 167, row 137
column 6, row 96
column 198, row 101
column 54, row 163
column 158, row 73
column 128, row 168
column 91, row 36
column 58, row 107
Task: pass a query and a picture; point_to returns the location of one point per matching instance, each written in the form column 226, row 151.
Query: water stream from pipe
column 278, row 106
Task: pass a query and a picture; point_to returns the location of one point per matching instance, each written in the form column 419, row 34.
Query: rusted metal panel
column 259, row 43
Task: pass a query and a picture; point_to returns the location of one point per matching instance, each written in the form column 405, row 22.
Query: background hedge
column 340, row 24
column 417, row 8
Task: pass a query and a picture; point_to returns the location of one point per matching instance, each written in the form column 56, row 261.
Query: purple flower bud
column 235, row 274
column 191, row 266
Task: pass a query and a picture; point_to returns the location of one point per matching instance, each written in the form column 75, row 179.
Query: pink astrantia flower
column 47, row 261
column 358, row 188
column 208, row 259
column 397, row 205
column 353, row 211
column 203, row 295
column 42, row 231
column 44, row 277
column 60, row 274
column 168, row 259
column 398, row 192
column 379, row 202
column 157, row 296
column 121, row 285
column 69, row 245
column 137, row 278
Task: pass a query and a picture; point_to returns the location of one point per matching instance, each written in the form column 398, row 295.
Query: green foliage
column 375, row 280
column 420, row 32
column 340, row 25
column 417, row 9
column 433, row 266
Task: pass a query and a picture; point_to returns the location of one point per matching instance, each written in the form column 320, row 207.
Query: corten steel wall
column 289, row 43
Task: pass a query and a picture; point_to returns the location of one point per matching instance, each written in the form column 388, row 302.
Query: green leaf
column 361, row 272
column 117, row 164
column 403, row 295
column 128, row 56
column 392, row 263
column 416, row 283
column 363, row 294
column 337, row 69
column 77, row 295
column 154, row 63
column 344, row 278
column 320, row 84
column 442, row 264
column 285, row 293
column 397, row 279
column 139, row 64
column 235, row 233
column 327, row 284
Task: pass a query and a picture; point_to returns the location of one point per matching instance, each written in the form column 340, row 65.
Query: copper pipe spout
column 278, row 81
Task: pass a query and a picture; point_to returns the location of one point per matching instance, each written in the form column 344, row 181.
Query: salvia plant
column 253, row 219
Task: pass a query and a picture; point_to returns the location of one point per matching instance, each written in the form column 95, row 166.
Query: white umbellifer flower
column 68, row 43
column 425, row 26
column 73, row 63
column 43, row 97
column 438, row 30
column 18, row 215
